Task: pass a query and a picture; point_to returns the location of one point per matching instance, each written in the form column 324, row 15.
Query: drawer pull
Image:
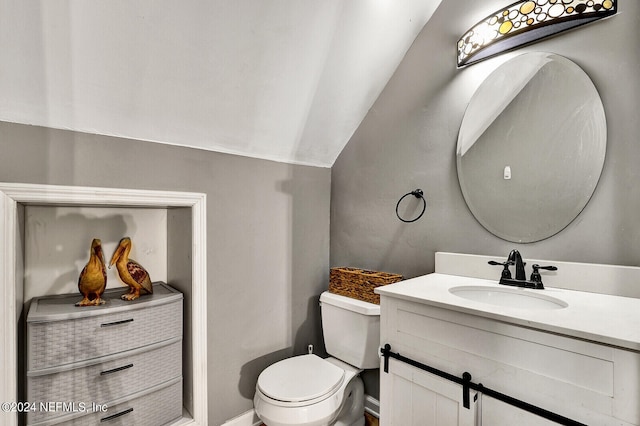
column 109, row 324
column 115, row 370
column 115, row 416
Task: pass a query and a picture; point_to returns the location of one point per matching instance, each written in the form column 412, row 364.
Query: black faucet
column 515, row 257
column 520, row 279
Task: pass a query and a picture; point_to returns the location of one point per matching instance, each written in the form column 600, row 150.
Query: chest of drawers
column 119, row 363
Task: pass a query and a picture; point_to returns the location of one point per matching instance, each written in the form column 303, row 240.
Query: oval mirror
column 531, row 147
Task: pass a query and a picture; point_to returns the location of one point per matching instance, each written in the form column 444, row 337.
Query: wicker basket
column 359, row 283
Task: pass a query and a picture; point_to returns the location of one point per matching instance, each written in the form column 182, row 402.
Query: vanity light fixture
column 526, row 21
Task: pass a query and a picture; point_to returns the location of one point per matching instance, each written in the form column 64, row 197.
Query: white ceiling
column 287, row 80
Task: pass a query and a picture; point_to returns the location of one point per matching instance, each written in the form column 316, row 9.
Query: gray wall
column 408, row 141
column 267, row 238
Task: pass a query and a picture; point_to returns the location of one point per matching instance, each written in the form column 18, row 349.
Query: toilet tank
column 351, row 330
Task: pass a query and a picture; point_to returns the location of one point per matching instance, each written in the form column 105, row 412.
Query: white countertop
column 611, row 320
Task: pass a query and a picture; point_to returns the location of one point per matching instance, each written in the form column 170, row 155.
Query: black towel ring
column 418, row 194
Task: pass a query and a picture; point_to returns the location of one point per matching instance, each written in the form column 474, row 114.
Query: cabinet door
column 497, row 413
column 410, row 396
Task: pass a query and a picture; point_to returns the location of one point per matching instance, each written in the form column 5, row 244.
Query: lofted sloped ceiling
column 286, row 80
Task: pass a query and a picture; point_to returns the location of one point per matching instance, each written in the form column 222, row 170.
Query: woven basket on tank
column 359, row 283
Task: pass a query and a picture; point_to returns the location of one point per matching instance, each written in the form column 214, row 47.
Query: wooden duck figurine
column 130, row 272
column 93, row 278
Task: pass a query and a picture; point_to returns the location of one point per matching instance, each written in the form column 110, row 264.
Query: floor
column 370, row 420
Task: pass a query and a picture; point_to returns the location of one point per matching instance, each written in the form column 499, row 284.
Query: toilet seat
column 301, row 380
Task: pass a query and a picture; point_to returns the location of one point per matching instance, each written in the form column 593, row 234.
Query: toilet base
column 351, row 412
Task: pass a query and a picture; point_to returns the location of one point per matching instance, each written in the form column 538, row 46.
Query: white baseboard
column 372, row 406
column 248, row 418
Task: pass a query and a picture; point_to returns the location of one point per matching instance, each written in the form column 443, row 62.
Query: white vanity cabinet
column 119, row 363
column 586, row 381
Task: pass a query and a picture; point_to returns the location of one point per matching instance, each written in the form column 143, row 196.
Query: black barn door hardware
column 467, row 384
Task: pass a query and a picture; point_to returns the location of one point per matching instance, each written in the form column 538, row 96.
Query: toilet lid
column 301, row 378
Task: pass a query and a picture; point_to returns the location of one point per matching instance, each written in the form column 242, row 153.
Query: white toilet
column 311, row 391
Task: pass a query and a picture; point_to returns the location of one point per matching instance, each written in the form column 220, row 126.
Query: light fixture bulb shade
column 526, row 21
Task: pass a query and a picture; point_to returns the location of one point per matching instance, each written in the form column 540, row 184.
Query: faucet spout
column 516, row 258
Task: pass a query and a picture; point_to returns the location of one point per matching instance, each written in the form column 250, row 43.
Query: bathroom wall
column 408, row 141
column 267, row 239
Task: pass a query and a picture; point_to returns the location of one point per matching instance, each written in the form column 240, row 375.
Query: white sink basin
column 512, row 297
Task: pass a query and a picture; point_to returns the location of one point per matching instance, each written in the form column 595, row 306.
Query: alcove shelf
column 185, row 247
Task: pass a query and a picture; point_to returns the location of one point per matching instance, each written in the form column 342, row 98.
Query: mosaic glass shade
column 526, row 21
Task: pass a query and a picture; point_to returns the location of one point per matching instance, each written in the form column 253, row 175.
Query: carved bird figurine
column 130, row 272
column 93, row 278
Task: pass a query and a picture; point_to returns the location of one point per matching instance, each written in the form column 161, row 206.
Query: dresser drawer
column 161, row 406
column 57, row 343
column 102, row 383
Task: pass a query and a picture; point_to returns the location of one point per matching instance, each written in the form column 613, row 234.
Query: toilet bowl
column 307, row 390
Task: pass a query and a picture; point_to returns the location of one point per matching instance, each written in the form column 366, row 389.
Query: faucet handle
column 506, row 273
column 537, row 278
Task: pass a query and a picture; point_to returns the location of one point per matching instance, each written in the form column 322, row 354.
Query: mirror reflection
column 531, row 147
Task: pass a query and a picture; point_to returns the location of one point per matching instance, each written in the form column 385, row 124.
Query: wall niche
column 45, row 235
